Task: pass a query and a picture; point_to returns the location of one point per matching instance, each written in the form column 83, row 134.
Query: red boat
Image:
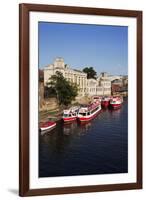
column 89, row 112
column 70, row 115
column 105, row 102
column 116, row 102
column 47, row 126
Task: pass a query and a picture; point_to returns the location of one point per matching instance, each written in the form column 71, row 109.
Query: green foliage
column 91, row 73
column 49, row 92
column 65, row 91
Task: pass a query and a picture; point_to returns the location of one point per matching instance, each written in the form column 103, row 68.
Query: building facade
column 72, row 75
column 86, row 87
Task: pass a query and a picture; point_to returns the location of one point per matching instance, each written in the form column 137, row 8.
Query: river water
column 97, row 147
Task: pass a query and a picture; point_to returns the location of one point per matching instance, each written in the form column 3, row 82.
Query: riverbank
column 54, row 113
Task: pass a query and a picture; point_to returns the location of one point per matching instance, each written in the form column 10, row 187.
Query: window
column 83, row 114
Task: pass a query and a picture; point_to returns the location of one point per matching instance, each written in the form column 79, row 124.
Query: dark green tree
column 65, row 91
column 91, row 73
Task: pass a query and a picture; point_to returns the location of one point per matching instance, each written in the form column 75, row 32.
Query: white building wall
column 90, row 87
column 74, row 76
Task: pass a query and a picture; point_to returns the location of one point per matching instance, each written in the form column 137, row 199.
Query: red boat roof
column 45, row 124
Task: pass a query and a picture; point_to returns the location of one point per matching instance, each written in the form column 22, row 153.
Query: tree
column 91, row 73
column 65, row 91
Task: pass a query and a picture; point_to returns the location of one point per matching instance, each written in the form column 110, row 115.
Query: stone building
column 87, row 87
column 98, row 87
column 125, row 81
column 104, row 84
column 72, row 75
column 120, row 85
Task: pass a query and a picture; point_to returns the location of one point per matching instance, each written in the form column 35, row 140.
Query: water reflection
column 95, row 147
column 76, row 128
column 68, row 129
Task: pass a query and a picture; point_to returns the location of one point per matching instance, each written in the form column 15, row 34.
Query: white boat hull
column 89, row 117
column 48, row 128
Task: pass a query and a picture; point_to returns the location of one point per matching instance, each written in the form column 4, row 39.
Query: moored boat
column 70, row 114
column 105, row 102
column 47, row 126
column 89, row 112
column 116, row 102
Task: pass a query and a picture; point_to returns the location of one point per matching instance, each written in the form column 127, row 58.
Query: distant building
column 125, row 81
column 89, row 87
column 100, row 86
column 104, row 84
column 116, row 85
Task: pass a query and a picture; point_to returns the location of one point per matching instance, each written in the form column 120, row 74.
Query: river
column 97, row 147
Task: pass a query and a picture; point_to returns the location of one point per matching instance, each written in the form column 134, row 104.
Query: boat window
column 95, row 109
column 83, row 114
column 65, row 115
column 69, row 115
column 88, row 113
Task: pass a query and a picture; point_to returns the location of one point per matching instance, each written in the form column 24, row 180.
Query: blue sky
column 105, row 48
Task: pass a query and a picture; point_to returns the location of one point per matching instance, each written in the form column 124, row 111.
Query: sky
column 103, row 47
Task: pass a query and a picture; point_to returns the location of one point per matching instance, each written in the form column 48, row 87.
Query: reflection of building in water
column 90, row 87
